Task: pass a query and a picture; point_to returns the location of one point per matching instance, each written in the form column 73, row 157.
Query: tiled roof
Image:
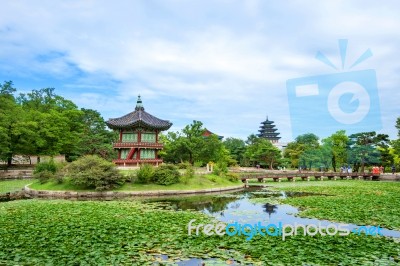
column 138, row 118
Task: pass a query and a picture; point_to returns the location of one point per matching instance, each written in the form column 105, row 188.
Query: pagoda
column 138, row 141
column 268, row 131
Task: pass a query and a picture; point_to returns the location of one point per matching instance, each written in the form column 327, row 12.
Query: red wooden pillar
column 156, row 136
column 120, row 135
column 139, row 137
column 119, row 153
column 138, row 154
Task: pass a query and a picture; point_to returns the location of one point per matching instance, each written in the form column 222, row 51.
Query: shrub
column 198, row 164
column 189, row 173
column 49, row 166
column 166, row 175
column 184, row 165
column 232, row 177
column 45, row 171
column 145, row 173
column 92, row 171
column 220, row 168
column 44, row 176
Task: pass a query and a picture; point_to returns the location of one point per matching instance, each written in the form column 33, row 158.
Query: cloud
column 222, row 62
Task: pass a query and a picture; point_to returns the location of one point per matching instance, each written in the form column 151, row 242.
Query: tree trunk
column 9, row 161
column 38, row 159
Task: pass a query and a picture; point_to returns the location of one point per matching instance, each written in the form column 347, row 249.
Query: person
column 381, row 169
column 349, row 170
column 393, row 169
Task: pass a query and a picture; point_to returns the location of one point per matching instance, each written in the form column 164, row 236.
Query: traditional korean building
column 207, row 133
column 138, row 137
column 267, row 130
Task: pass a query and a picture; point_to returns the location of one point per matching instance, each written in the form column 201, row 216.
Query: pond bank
column 32, row 193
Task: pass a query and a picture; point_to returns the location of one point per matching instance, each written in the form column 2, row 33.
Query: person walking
column 381, row 169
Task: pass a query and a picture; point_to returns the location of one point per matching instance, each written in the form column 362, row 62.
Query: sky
column 229, row 64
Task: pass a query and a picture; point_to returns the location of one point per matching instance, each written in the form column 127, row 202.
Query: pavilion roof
column 139, row 118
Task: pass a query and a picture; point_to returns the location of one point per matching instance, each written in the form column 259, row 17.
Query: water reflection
column 252, row 206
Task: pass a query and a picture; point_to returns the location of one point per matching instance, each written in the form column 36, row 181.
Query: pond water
column 256, row 204
column 251, row 206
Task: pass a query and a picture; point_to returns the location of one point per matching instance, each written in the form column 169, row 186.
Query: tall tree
column 364, row 148
column 337, row 142
column 262, row 151
column 236, row 148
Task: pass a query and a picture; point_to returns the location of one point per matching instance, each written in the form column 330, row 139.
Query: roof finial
column 139, row 104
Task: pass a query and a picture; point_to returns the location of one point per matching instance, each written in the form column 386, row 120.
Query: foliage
column 372, row 203
column 189, row 174
column 233, row 177
column 122, row 232
column 96, row 138
column 44, row 176
column 364, row 148
column 49, row 166
column 44, row 171
column 92, row 171
column 190, row 145
column 262, row 151
column 145, row 173
column 220, row 168
column 166, row 174
column 337, row 144
column 236, row 148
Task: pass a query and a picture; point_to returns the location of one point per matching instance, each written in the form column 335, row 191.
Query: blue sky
column 225, row 63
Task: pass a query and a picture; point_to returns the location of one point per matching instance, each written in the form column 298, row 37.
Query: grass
column 351, row 201
column 197, row 182
column 13, row 185
column 60, row 232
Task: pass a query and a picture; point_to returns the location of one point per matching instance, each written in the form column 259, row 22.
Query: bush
column 92, row 171
column 166, row 175
column 184, row 165
column 44, row 176
column 220, row 168
column 189, row 173
column 45, row 171
column 145, row 173
column 232, row 177
column 49, row 166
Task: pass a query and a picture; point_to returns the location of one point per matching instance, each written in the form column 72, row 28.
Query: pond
column 256, row 204
column 251, row 206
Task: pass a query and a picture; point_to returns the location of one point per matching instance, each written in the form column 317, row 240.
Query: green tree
column 95, row 138
column 236, row 147
column 363, row 148
column 294, row 150
column 190, row 145
column 337, row 143
column 262, row 151
column 57, row 123
column 15, row 126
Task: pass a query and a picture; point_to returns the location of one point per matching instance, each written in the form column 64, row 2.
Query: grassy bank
column 350, row 201
column 57, row 232
column 13, row 185
column 197, row 182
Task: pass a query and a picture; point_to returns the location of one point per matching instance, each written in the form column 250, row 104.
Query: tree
column 262, row 150
column 58, row 123
column 15, row 127
column 190, row 145
column 95, row 138
column 338, row 145
column 294, row 150
column 236, row 148
column 364, row 148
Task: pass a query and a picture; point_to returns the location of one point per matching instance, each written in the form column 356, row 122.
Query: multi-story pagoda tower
column 267, row 130
column 138, row 137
